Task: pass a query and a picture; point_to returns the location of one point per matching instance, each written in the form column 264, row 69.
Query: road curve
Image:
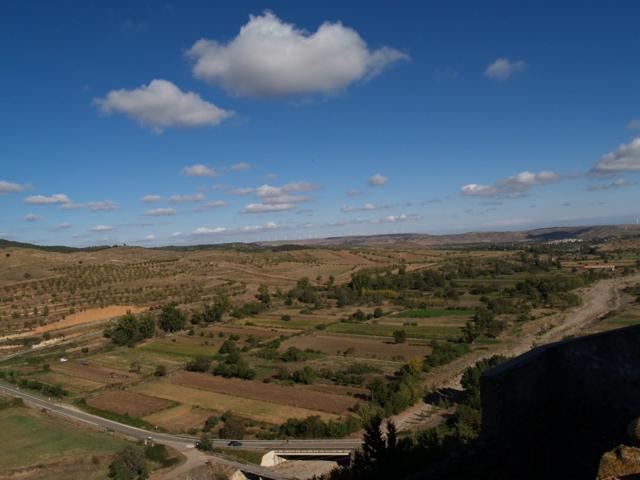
column 180, row 442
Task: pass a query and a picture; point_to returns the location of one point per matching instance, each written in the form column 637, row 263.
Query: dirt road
column 598, row 299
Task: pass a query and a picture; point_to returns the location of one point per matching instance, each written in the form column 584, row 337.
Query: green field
column 177, row 350
column 436, row 313
column 30, row 438
column 379, row 330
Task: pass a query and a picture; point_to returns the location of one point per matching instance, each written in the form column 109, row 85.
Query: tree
column 377, row 312
column 399, row 336
column 128, row 330
column 233, row 428
column 306, row 375
column 129, row 464
column 199, row 364
column 263, row 294
column 161, row 371
column 171, row 319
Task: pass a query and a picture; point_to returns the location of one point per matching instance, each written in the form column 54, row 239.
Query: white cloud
column 240, row 167
column 32, row 217
column 625, row 158
column 211, row 205
column 272, row 58
column 514, row 186
column 270, row 176
column 58, row 198
column 235, row 231
column 196, row 197
column 63, row 226
column 503, row 68
column 10, row 187
column 151, row 198
column 102, row 228
column 476, row 189
column 353, row 192
column 105, row 206
column 403, row 217
column 377, row 180
column 267, row 208
column 199, row 170
column 160, row 212
column 161, row 104
column 149, row 238
column 367, row 207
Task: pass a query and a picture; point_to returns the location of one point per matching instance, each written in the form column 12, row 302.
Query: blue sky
column 156, row 123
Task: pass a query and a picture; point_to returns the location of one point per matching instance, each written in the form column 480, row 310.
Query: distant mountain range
column 582, row 233
column 539, row 235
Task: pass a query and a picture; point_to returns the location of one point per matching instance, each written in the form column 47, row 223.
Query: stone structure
column 554, row 411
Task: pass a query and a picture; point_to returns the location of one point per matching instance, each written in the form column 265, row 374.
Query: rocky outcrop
column 623, row 462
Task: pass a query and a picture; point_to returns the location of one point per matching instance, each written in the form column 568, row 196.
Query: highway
column 182, row 443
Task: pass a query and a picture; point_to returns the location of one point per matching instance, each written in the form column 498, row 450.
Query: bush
column 201, row 363
column 171, row 319
column 129, row 464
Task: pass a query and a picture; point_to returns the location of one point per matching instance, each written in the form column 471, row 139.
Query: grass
column 177, row 349
column 29, row 438
column 436, row 313
column 380, row 330
column 248, row 456
column 116, row 417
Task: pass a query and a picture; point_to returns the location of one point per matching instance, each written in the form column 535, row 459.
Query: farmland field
column 262, row 411
column 31, row 438
column 363, row 347
column 294, row 396
column 128, row 403
column 265, row 333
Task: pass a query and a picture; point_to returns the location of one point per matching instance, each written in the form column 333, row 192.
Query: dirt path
column 598, row 299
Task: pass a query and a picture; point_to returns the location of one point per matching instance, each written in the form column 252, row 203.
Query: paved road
column 182, row 443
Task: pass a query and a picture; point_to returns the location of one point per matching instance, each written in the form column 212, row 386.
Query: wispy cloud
column 267, row 208
column 160, row 212
column 151, row 198
column 203, row 231
column 104, row 206
column 199, row 170
column 367, row 207
column 10, row 187
column 503, row 68
column 614, row 185
column 377, row 180
column 514, row 186
column 102, row 228
column 196, row 197
column 211, row 205
column 32, row 217
column 240, row 167
column 57, row 198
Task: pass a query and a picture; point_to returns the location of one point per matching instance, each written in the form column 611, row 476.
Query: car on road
column 234, row 443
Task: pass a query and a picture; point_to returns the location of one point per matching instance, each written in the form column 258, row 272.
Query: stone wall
column 552, row 412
